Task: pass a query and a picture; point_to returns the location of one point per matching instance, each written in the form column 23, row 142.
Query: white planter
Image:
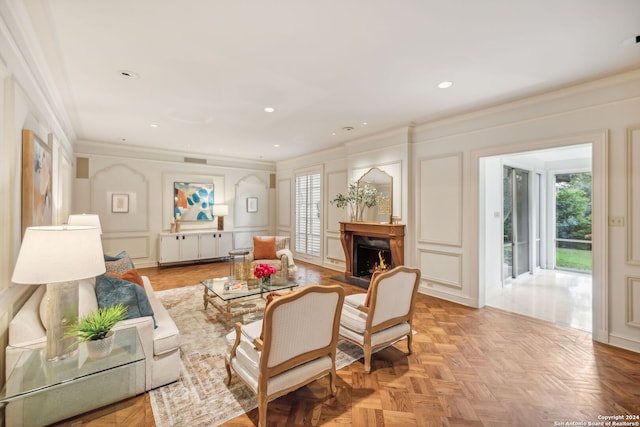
column 100, row 348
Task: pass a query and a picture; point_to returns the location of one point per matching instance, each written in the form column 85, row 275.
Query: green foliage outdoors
column 96, row 325
column 573, row 206
column 573, row 258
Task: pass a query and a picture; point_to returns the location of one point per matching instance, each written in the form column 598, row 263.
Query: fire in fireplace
column 367, row 254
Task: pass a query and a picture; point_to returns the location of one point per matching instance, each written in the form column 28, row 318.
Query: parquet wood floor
column 470, row 367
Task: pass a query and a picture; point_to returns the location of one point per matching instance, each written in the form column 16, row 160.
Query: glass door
column 516, row 222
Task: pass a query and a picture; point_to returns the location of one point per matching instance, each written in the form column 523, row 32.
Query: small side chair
column 384, row 314
column 293, row 345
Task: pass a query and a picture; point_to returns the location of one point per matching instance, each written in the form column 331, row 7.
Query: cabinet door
column 208, row 245
column 188, row 247
column 169, row 248
column 225, row 243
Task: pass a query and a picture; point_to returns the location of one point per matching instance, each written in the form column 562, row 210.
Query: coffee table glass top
column 254, row 287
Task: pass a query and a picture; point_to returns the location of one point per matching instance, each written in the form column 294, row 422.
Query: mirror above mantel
column 383, row 183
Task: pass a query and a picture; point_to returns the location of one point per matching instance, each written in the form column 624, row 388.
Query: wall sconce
column 59, row 256
column 220, row 211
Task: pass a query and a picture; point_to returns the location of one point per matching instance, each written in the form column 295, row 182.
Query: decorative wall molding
column 633, row 301
column 336, row 183
column 251, row 186
column 334, row 251
column 120, row 179
column 440, row 200
column 284, row 203
column 633, row 195
column 136, row 246
column 168, row 178
column 441, row 268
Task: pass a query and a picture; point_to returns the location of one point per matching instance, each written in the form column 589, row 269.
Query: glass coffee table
column 226, row 293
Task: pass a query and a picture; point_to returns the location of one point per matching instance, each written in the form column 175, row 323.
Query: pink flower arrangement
column 263, row 270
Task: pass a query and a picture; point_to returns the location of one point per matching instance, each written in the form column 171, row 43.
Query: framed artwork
column 252, row 204
column 120, row 203
column 193, row 201
column 37, row 178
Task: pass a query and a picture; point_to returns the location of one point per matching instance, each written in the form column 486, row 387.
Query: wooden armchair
column 298, row 344
column 384, row 314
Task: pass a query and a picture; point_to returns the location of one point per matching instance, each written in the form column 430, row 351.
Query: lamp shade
column 56, row 254
column 220, row 210
column 92, row 220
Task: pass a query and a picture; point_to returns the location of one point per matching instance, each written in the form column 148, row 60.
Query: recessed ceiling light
column 276, row 145
column 269, row 109
column 129, row 74
column 364, row 123
column 153, row 125
column 445, row 84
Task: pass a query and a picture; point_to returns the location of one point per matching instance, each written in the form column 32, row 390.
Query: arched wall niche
column 119, row 194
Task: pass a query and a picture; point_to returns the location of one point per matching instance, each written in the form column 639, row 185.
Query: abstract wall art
column 193, row 201
column 37, row 178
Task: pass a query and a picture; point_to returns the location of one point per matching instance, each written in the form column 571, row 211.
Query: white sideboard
column 193, row 246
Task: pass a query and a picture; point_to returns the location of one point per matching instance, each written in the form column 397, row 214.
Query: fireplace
column 364, row 242
column 367, row 254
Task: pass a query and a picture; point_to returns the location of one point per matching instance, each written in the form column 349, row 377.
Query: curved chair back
column 393, row 296
column 301, row 326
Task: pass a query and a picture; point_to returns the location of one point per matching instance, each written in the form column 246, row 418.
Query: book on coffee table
column 235, row 286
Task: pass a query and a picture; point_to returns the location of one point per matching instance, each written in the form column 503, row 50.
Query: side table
column 235, row 270
column 39, row 392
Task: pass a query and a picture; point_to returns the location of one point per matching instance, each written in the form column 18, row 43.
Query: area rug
column 200, row 397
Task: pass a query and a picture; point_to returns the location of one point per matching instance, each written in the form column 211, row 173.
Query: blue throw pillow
column 112, row 290
column 121, row 255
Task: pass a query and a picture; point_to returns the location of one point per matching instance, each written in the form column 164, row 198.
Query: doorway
column 529, row 282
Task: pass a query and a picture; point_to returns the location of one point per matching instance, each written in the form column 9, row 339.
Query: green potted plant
column 95, row 329
column 358, row 198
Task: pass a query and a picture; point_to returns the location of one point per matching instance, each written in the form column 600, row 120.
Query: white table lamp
column 220, row 211
column 92, row 220
column 59, row 256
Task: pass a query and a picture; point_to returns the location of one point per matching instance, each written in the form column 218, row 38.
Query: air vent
column 195, row 160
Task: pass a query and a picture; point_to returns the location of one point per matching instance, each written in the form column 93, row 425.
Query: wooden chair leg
column 262, row 409
column 410, row 342
column 367, row 359
column 332, row 381
column 228, row 366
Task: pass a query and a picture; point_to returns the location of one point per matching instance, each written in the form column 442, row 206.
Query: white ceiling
column 208, row 68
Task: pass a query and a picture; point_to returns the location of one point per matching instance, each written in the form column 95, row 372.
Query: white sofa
column 161, row 345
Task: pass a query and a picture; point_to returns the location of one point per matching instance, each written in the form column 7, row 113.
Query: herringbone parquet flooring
column 470, row 367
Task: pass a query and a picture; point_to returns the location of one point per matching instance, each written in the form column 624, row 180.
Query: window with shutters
column 308, row 214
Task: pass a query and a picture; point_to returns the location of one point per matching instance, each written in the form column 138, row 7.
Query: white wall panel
column 136, row 247
column 633, row 298
column 441, row 268
column 284, row 203
column 334, row 249
column 440, row 213
column 336, row 184
column 633, row 196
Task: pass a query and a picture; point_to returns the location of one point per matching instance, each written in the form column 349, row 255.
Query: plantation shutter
column 308, row 214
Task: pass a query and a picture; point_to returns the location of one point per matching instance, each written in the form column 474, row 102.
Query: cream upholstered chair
column 272, row 250
column 384, row 314
column 300, row 333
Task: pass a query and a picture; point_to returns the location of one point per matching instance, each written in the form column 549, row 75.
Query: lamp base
column 62, row 310
column 220, row 222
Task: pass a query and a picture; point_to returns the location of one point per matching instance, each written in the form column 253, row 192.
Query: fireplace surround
column 362, row 241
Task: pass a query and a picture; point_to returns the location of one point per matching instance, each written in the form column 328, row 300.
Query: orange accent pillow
column 130, row 276
column 271, row 296
column 367, row 299
column 264, row 248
